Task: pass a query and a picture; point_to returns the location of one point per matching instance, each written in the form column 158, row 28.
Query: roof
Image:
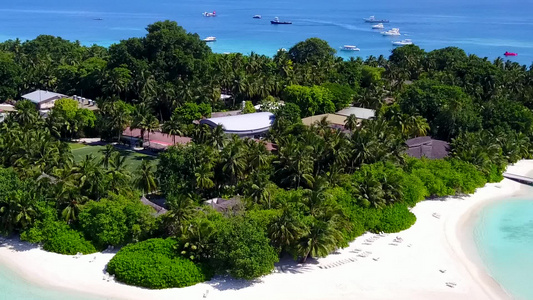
column 40, row 96
column 359, row 112
column 425, row 146
column 243, row 124
column 223, row 205
column 331, row 118
column 159, row 210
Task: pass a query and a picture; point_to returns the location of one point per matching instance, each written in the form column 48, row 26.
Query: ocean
column 504, row 238
column 14, row 287
column 485, row 28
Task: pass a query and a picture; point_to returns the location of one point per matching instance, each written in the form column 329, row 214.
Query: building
column 425, row 146
column 359, row 112
column 224, row 205
column 247, row 125
column 43, row 99
column 333, row 119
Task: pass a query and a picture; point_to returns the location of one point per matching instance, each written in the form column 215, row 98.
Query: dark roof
column 425, row 146
column 159, row 210
column 223, row 205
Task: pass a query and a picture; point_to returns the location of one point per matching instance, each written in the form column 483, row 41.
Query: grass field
column 133, row 159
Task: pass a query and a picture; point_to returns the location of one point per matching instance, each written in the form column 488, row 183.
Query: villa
column 43, row 99
column 425, row 146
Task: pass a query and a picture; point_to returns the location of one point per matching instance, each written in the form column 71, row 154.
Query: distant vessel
column 392, row 32
column 378, row 26
column 276, row 21
column 349, row 48
column 373, row 19
column 257, row 17
column 402, row 42
column 208, row 14
column 210, row 39
column 98, row 19
column 507, row 53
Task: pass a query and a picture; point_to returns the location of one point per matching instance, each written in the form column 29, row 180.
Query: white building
column 359, row 112
column 43, row 99
column 247, row 125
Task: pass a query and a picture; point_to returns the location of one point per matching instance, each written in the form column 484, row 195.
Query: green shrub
column 58, row 237
column 153, row 264
column 395, row 218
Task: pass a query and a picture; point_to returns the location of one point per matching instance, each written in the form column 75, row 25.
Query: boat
column 392, row 32
column 208, row 14
column 98, row 19
column 210, row 39
column 276, row 21
column 378, row 26
column 349, row 48
column 507, row 53
column 257, row 17
column 402, row 42
column 373, row 19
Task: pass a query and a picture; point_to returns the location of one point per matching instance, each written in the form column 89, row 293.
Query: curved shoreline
column 438, row 249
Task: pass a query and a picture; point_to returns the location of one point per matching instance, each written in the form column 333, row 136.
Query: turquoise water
column 482, row 27
column 14, row 287
column 504, row 238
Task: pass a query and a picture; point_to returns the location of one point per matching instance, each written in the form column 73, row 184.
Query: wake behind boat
column 210, row 39
column 373, row 19
column 378, row 26
column 257, row 17
column 349, row 48
column 276, row 21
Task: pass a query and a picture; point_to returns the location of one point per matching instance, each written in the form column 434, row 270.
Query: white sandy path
column 409, row 270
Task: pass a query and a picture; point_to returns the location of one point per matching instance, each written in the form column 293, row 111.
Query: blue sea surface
column 14, row 287
column 504, row 238
column 482, row 27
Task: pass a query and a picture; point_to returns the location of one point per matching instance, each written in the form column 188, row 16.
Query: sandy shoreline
column 438, row 249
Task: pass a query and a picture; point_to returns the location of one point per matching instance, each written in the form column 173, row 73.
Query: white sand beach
column 434, row 259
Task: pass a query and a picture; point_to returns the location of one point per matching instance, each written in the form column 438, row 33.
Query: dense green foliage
column 154, row 264
column 318, row 189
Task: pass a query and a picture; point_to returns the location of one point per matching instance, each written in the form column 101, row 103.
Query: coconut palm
column 172, row 127
column 286, row 230
column 351, row 122
column 322, row 238
column 145, row 178
column 108, row 153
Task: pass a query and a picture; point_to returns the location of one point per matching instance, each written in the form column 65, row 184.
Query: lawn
column 133, row 159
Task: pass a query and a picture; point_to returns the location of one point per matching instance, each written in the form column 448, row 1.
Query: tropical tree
column 145, row 177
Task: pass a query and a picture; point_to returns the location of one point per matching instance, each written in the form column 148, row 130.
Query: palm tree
column 151, row 124
column 285, row 230
column 233, row 159
column 182, row 209
column 204, row 177
column 140, row 118
column 172, row 127
column 321, row 239
column 18, row 210
column 145, row 177
column 108, row 153
column 351, row 122
column 117, row 173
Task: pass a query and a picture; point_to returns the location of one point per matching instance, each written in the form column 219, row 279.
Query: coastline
column 441, row 240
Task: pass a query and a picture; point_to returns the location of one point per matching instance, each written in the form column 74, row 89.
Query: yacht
column 378, row 26
column 373, row 19
column 392, row 32
column 402, row 42
column 507, row 53
column 257, row 17
column 208, row 14
column 349, row 48
column 210, row 39
column 276, row 21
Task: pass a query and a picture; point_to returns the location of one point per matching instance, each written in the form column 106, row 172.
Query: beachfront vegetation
column 320, row 187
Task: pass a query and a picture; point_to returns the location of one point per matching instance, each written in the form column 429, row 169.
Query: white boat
column 208, row 14
column 392, row 32
column 210, row 39
column 257, row 17
column 378, row 26
column 402, row 42
column 349, row 48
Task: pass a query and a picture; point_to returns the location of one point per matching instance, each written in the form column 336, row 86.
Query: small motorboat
column 507, row 53
column 373, row 19
column 392, row 32
column 257, row 17
column 349, row 48
column 378, row 26
column 210, row 39
column 402, row 42
column 276, row 21
column 98, row 19
column 208, row 14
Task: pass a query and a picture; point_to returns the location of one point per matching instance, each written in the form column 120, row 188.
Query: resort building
column 425, row 146
column 359, row 112
column 333, row 119
column 43, row 99
column 248, row 125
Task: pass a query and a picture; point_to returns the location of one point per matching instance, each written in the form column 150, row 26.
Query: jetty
column 519, row 178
